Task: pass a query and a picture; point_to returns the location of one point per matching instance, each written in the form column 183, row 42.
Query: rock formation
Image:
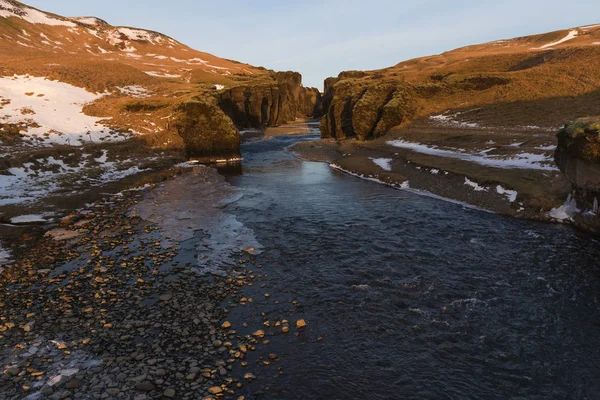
column 356, row 108
column 279, row 99
column 206, row 131
column 578, row 157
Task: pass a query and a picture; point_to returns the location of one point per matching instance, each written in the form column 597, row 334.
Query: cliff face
column 362, row 109
column 578, row 157
column 270, row 102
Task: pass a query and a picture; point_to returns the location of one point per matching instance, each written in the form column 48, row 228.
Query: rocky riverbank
column 113, row 303
column 509, row 173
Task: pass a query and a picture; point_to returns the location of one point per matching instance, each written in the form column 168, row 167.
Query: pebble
column 301, row 323
column 215, row 390
column 146, row 386
column 170, row 393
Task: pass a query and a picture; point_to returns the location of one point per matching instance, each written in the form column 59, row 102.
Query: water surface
column 415, row 298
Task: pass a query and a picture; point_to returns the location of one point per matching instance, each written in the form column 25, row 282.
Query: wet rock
column 74, row 384
column 301, row 324
column 145, row 386
column 215, row 390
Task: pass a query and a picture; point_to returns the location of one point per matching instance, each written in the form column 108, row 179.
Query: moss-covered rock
column 207, row 132
column 275, row 100
column 578, row 157
column 364, row 108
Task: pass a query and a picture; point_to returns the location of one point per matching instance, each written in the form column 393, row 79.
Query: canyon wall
column 270, row 102
column 578, row 157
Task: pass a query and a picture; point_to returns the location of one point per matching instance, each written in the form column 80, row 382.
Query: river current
column 413, row 297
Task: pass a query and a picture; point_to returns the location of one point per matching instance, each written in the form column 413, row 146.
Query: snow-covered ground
column 36, row 180
column 30, row 15
column 510, row 194
column 447, row 119
column 571, row 35
column 52, row 111
column 519, row 161
column 383, row 163
column 135, row 91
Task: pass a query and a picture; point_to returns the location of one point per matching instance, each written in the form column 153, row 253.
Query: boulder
column 206, row 131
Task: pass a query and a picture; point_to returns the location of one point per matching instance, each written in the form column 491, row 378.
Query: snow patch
column 88, row 20
column 56, row 117
column 446, row 119
column 30, row 15
column 162, row 74
column 219, row 87
column 474, row 185
column 141, row 35
column 518, row 161
column 134, row 91
column 28, row 219
column 572, row 35
column 510, row 194
column 383, row 163
column 565, row 212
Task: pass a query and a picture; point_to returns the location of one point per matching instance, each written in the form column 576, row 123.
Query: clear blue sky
column 322, row 38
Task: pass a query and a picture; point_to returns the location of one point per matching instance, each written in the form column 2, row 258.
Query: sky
column 322, row 38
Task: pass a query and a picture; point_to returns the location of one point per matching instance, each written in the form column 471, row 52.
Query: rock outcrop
column 208, row 125
column 276, row 100
column 206, row 131
column 578, row 157
column 364, row 109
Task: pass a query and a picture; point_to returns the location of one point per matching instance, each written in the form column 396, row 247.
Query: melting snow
column 566, row 211
column 87, row 20
column 56, row 117
column 475, row 185
column 510, row 194
column 30, row 15
column 449, row 120
column 587, row 27
column 383, row 163
column 572, row 35
column 27, row 219
column 32, row 181
column 134, row 91
column 162, row 74
column 519, row 161
column 141, row 35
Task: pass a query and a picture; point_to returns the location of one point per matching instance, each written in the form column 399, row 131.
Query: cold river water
column 413, row 297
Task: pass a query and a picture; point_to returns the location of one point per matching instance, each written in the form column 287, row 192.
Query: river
column 410, row 297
